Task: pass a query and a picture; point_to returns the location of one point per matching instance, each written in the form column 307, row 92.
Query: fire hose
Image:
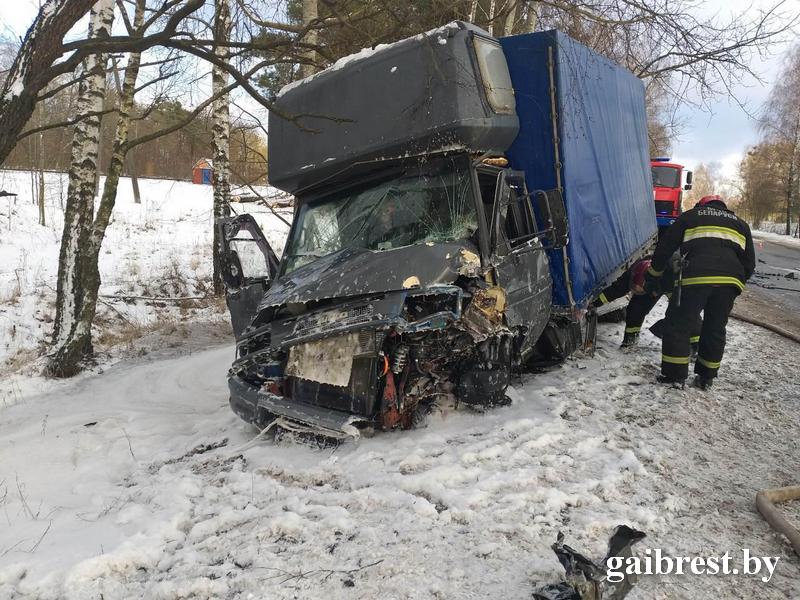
column 765, row 503
column 774, row 328
column 767, row 499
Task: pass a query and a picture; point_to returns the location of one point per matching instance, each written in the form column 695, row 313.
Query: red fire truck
column 669, row 182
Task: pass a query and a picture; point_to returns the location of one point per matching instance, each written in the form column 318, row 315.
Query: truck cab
column 669, row 182
column 422, row 282
column 431, row 252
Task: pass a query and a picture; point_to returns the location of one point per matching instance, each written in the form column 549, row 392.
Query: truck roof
column 420, row 95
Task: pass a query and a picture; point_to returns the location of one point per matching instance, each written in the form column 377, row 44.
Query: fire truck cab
column 669, row 182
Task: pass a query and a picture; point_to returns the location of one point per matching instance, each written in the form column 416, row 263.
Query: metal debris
column 588, row 580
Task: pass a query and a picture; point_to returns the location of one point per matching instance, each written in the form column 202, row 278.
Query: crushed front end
column 380, row 360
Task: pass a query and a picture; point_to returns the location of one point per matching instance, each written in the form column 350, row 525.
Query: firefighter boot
column 678, row 384
column 629, row 340
column 704, row 383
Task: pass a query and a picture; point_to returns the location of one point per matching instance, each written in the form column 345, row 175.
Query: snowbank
column 161, row 247
column 780, row 238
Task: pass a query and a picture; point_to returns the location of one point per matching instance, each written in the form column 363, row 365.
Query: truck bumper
column 665, row 221
column 260, row 408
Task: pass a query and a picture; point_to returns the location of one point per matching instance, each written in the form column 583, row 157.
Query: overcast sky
column 724, row 134
column 721, row 135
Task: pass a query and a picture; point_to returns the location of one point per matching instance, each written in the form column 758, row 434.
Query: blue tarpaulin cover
column 604, row 153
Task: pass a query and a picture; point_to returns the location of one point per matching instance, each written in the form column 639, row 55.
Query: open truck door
column 521, row 262
column 249, row 266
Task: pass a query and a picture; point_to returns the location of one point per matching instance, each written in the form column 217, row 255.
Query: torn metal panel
column 525, row 274
column 486, row 312
column 434, row 307
column 328, row 360
column 269, row 405
column 470, row 263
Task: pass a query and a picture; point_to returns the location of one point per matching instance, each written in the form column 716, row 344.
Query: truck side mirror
column 550, row 206
column 688, row 185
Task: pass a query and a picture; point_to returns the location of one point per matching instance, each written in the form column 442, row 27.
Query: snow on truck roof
column 368, row 52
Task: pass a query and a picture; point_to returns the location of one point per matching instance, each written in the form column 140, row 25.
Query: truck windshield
column 666, row 177
column 432, row 203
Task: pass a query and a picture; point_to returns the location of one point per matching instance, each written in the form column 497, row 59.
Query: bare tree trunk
column 310, row 13
column 130, row 161
column 511, row 17
column 72, row 334
column 40, row 168
column 791, row 179
column 130, row 167
column 221, row 131
column 789, row 204
column 530, row 17
column 119, row 152
column 40, row 48
column 42, row 220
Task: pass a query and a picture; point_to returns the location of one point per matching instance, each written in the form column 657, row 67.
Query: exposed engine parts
column 446, row 346
column 400, row 359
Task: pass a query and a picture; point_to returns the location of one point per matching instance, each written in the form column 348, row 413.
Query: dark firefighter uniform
column 719, row 259
column 641, row 303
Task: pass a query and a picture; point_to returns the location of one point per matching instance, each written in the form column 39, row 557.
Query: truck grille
column 664, row 207
column 338, row 317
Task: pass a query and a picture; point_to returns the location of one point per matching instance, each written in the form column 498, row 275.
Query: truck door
column 521, row 262
column 248, row 267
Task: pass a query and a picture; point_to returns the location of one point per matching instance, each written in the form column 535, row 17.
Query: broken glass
column 428, row 204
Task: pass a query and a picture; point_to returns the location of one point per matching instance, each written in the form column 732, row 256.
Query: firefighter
column 718, row 257
column 642, row 302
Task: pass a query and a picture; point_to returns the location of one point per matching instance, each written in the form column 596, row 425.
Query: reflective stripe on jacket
column 716, row 243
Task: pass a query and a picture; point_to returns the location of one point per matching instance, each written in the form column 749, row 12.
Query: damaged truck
column 460, row 202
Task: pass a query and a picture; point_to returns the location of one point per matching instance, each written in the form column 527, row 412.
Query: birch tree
column 221, row 131
column 71, row 333
column 40, row 48
column 310, row 15
column 780, row 127
column 90, row 272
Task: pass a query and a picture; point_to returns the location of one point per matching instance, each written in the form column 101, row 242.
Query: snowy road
column 122, row 485
column 777, row 275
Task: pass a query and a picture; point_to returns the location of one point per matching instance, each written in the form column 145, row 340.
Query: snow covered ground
column 140, row 483
column 161, row 247
column 779, row 238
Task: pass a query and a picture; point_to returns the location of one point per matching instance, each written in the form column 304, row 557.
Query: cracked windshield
column 429, row 204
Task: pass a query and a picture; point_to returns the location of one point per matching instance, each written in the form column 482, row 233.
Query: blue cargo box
column 603, row 149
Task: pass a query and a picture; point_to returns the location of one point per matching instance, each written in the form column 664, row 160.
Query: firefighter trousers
column 640, row 306
column 715, row 302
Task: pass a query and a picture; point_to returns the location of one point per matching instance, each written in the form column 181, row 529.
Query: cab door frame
column 243, row 291
column 520, row 263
